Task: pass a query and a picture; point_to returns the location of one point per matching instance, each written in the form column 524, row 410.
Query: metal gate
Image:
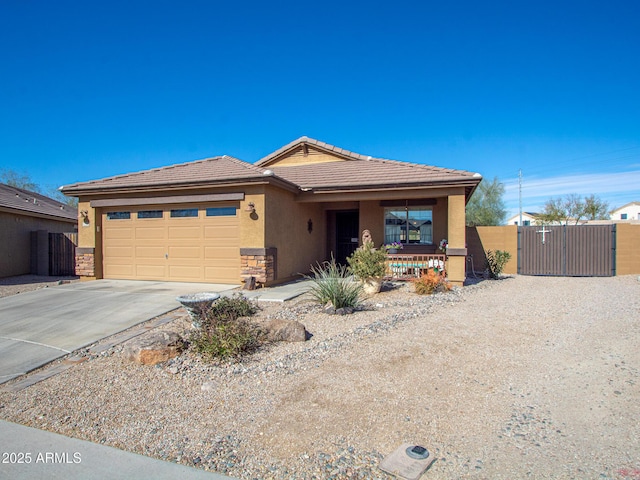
column 567, row 250
column 62, row 254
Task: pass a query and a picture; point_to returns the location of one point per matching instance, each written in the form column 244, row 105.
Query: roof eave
column 473, row 183
column 100, row 190
column 29, row 213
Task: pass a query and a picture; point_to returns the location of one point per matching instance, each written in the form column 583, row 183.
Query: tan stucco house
column 26, row 218
column 222, row 220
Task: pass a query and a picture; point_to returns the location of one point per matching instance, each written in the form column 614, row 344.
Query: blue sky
column 94, row 89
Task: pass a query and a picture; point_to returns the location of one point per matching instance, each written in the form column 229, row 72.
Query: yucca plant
column 333, row 284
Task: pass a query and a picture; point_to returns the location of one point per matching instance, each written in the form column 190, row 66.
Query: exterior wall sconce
column 85, row 218
column 251, row 208
column 309, row 225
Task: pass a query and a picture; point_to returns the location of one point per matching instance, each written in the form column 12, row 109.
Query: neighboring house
column 223, row 220
column 21, row 213
column 630, row 211
column 528, row 218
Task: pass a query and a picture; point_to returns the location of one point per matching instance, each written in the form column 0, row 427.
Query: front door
column 347, row 234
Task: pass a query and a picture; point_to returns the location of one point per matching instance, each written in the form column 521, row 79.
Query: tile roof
column 360, row 171
column 26, row 202
column 369, row 173
column 215, row 169
column 356, row 172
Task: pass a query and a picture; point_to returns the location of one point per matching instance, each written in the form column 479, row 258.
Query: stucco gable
column 308, row 151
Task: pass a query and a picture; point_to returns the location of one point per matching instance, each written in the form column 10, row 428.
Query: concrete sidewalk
column 46, row 455
column 280, row 293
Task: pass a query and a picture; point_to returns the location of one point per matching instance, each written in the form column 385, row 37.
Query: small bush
column 226, row 330
column 231, row 308
column 333, row 284
column 496, row 262
column 432, row 281
column 366, row 262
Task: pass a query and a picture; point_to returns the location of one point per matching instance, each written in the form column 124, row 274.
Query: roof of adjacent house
column 356, row 172
column 630, row 204
column 30, row 203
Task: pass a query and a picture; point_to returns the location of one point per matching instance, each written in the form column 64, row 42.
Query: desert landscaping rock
column 526, row 377
column 285, row 331
column 154, row 347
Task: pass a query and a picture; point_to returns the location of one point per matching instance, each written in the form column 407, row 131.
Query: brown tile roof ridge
column 185, row 172
column 371, row 173
column 356, row 156
column 19, row 199
column 311, row 141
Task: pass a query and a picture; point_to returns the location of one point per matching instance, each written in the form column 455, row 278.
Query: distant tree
column 18, row 180
column 24, row 181
column 486, row 206
column 596, row 209
column 572, row 208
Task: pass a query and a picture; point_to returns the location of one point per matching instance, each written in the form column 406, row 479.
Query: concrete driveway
column 40, row 326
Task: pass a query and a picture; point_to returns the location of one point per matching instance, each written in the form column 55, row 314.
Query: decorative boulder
column 285, row 331
column 329, row 309
column 154, row 348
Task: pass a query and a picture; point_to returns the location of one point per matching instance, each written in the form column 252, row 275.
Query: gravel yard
column 525, row 377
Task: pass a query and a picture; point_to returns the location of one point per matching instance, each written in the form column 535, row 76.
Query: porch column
column 456, row 248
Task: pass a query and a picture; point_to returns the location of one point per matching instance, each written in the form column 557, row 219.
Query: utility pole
column 520, row 194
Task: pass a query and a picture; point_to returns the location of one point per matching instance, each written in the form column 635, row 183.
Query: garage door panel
column 179, row 253
column 118, row 271
column 221, row 253
column 150, row 271
column 151, row 252
column 191, row 249
column 185, row 272
column 185, row 232
column 221, row 231
column 150, row 233
column 212, row 273
column 118, row 233
column 118, row 251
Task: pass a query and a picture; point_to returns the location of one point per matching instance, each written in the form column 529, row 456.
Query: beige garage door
column 178, row 243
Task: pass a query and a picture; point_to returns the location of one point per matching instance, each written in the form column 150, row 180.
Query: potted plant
column 393, row 247
column 368, row 265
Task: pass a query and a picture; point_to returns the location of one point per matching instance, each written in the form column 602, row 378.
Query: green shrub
column 333, row 284
column 226, row 330
column 496, row 262
column 231, row 308
column 367, row 262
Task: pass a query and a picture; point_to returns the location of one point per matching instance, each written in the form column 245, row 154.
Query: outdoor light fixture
column 251, row 208
column 85, row 217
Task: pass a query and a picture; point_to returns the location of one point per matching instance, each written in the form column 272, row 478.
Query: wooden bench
column 405, row 267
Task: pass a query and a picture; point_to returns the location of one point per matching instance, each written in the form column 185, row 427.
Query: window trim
column 173, row 212
column 404, row 227
column 232, row 211
column 138, row 217
column 122, row 215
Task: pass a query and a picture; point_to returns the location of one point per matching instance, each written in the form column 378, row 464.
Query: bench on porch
column 407, row 266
